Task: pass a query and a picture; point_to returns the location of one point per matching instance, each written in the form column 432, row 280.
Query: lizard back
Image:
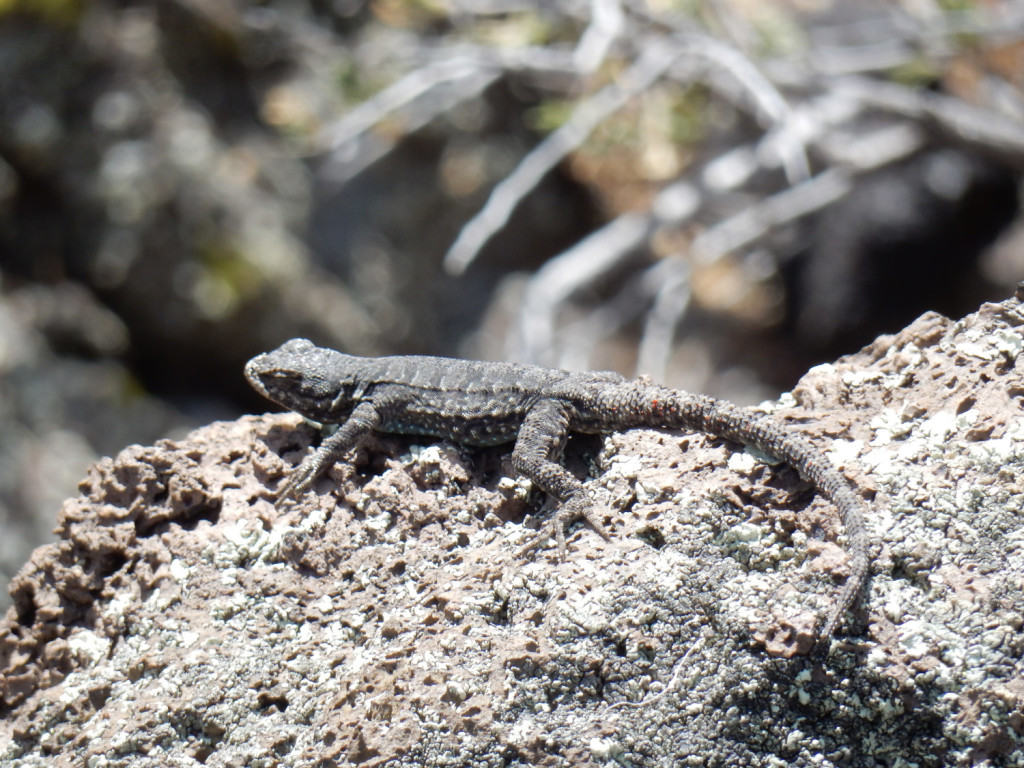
column 467, row 401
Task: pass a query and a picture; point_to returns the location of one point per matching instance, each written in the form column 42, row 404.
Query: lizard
column 494, row 403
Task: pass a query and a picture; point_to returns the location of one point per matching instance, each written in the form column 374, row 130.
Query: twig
column 462, row 73
column 626, row 305
column 606, row 23
column 670, row 304
column 972, row 124
column 450, row 82
column 764, row 95
column 656, row 59
column 586, row 262
column 894, row 44
column 866, row 150
column 767, row 99
column 413, row 85
column 752, row 223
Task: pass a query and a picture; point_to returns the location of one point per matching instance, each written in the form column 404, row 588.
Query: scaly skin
column 482, row 404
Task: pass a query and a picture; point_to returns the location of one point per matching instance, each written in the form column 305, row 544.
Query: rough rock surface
column 65, row 400
column 386, row 620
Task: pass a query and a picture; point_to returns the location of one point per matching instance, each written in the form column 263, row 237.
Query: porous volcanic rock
column 386, row 619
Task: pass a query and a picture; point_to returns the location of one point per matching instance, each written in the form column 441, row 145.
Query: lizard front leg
column 541, row 438
column 364, row 418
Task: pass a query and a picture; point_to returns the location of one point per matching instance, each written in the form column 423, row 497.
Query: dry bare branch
column 588, row 261
column 745, row 228
column 656, row 59
column 606, row 24
column 971, row 124
column 670, row 305
column 561, row 277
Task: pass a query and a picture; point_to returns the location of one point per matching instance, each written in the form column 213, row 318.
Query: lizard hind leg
column 541, row 438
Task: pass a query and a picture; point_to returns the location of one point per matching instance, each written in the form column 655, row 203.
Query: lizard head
column 302, row 377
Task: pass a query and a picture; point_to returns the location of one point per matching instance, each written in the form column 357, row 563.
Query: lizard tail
column 671, row 408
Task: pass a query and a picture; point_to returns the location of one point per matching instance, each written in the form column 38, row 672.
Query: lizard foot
column 300, row 481
column 576, row 507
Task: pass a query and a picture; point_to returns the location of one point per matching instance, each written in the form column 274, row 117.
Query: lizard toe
column 578, row 507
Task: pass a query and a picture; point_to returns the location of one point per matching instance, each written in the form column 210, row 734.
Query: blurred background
column 719, row 194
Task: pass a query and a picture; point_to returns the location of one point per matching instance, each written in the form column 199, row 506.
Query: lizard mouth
column 252, row 375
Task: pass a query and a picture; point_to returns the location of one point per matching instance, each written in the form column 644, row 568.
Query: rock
column 385, row 618
column 65, row 400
